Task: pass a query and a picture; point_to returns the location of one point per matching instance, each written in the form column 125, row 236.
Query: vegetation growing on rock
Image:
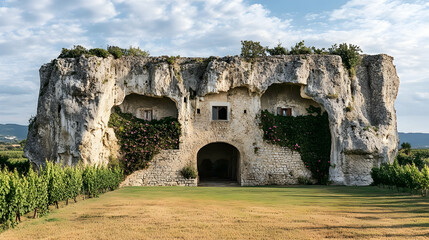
column 278, row 50
column 115, row 51
column 140, row 140
column 309, row 135
column 349, row 53
column 251, row 49
column 189, row 172
column 300, row 48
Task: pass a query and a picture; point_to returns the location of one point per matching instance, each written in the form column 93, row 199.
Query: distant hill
column 12, row 132
column 15, row 132
column 417, row 140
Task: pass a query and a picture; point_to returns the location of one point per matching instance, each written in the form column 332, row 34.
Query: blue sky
column 33, row 32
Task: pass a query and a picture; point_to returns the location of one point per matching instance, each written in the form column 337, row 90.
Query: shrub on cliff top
column 278, row 50
column 76, row 51
column 132, row 51
column 349, row 54
column 117, row 52
column 99, row 52
column 251, row 49
column 300, row 48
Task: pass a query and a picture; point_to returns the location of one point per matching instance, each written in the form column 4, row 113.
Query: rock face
column 217, row 101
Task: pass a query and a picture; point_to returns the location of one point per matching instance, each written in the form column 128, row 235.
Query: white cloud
column 398, row 28
column 33, row 32
column 422, row 96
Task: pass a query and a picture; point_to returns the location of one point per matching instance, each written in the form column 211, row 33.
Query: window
column 284, row 111
column 219, row 113
column 198, row 111
column 147, row 115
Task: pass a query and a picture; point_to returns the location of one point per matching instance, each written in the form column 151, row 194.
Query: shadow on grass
column 360, row 230
column 341, row 196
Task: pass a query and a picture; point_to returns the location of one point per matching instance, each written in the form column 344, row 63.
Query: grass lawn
column 298, row 212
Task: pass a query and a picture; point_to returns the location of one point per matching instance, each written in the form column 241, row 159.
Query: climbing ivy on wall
column 140, row 140
column 309, row 135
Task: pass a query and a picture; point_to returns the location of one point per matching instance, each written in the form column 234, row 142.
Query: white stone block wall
column 275, row 165
column 164, row 170
column 272, row 165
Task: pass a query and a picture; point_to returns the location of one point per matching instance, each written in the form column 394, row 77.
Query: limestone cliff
column 77, row 95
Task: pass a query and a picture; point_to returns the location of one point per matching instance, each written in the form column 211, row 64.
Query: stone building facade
column 221, row 141
column 217, row 102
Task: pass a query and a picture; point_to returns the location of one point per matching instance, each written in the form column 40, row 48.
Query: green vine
column 309, row 135
column 140, row 140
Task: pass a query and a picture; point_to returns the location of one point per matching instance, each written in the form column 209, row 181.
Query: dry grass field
column 301, row 212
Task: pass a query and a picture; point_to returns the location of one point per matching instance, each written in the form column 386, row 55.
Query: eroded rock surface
column 77, row 96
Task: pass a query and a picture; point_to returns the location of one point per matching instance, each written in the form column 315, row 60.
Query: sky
column 34, row 32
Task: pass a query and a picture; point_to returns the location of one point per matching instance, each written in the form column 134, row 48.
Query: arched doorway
column 218, row 162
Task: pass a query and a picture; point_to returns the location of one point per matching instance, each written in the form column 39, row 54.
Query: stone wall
column 272, row 165
column 77, row 96
column 163, row 171
column 275, row 165
column 363, row 162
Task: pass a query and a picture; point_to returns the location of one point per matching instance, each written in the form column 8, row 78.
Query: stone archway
column 218, row 162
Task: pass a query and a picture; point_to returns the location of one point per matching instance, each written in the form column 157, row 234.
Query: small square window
column 147, row 115
column 198, row 111
column 245, row 111
column 219, row 113
column 284, row 111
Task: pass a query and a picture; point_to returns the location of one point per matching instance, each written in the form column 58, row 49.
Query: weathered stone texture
column 77, row 96
column 275, row 165
column 164, row 171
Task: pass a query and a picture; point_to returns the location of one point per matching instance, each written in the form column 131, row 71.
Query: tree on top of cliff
column 117, row 52
column 278, row 50
column 300, row 48
column 251, row 49
column 349, row 55
column 76, row 51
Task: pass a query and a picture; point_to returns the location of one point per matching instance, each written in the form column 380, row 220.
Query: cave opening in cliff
column 218, row 162
column 286, row 99
column 290, row 118
column 149, row 108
